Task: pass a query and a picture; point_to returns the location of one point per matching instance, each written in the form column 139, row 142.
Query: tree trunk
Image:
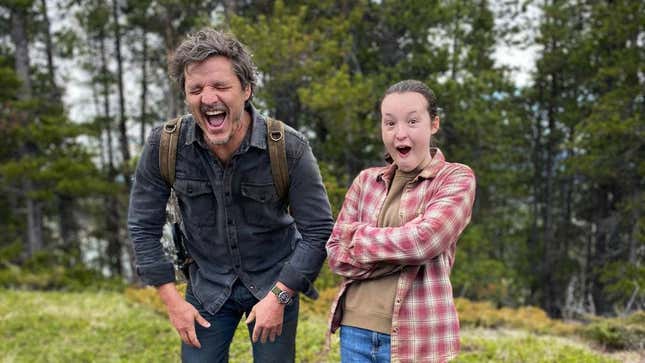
column 19, row 38
column 456, row 47
column 123, row 132
column 68, row 225
column 21, row 42
column 113, row 250
column 170, row 40
column 144, row 84
column 49, row 51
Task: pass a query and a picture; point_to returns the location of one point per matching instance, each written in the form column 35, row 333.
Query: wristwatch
column 283, row 296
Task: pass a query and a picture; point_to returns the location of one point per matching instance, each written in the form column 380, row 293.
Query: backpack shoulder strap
column 168, row 149
column 278, row 156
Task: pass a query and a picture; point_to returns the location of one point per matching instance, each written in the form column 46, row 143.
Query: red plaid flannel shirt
column 435, row 208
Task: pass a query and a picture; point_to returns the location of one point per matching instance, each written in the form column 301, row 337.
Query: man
column 251, row 255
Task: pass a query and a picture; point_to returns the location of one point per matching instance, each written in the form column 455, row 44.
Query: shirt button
column 252, row 287
column 398, row 301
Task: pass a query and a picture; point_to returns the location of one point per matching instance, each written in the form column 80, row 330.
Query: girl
column 395, row 238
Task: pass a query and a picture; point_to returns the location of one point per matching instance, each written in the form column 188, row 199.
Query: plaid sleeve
column 424, row 237
column 339, row 256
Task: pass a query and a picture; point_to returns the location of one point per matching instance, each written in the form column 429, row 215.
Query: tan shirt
column 368, row 304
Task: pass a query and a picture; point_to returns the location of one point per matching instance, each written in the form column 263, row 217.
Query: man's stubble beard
column 237, row 125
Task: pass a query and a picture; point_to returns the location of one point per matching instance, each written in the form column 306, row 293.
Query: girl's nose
column 400, row 132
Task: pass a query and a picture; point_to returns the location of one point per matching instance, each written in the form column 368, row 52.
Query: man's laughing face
column 215, row 98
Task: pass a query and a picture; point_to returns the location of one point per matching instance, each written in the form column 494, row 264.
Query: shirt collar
column 257, row 135
column 430, row 171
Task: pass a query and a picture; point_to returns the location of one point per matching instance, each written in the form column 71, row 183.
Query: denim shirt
column 235, row 225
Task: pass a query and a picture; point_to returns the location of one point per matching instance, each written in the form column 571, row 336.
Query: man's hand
column 268, row 314
column 182, row 314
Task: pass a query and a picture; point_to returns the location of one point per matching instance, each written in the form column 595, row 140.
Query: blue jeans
column 215, row 341
column 361, row 345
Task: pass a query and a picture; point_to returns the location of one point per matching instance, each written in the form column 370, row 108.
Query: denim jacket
column 235, row 225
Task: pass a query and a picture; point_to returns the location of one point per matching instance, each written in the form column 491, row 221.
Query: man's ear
column 247, row 92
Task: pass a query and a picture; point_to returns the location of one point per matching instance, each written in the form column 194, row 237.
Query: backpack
column 168, row 158
column 275, row 142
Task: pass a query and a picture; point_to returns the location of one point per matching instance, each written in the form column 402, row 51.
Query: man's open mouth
column 215, row 118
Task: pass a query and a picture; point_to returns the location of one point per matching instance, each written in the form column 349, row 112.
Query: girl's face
column 406, row 129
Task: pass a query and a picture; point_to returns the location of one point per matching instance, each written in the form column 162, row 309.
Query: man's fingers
column 275, row 333
column 192, row 338
column 203, row 322
column 265, row 335
column 256, row 333
column 250, row 317
column 184, row 337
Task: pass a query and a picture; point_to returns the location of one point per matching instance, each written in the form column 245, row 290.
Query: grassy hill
column 115, row 327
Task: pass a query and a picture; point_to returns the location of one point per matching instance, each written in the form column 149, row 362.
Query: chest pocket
column 260, row 203
column 196, row 201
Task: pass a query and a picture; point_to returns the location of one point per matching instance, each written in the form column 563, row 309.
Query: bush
column 55, row 271
column 484, row 314
column 617, row 333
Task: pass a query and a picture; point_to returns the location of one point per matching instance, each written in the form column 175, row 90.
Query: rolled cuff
column 157, row 274
column 296, row 281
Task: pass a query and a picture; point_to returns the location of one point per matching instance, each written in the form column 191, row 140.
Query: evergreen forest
column 558, row 147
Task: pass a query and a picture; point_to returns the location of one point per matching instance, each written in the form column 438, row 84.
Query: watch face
column 284, row 297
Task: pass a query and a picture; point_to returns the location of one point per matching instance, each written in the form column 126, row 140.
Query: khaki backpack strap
column 278, row 157
column 168, row 149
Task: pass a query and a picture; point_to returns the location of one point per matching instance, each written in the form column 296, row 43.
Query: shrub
column 484, row 314
column 617, row 333
column 55, row 270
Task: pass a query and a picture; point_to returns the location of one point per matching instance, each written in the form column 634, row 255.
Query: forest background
column 559, row 157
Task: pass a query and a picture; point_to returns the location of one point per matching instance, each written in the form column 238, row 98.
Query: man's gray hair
column 205, row 43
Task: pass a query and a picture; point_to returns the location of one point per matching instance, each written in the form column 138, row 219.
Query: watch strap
column 283, row 296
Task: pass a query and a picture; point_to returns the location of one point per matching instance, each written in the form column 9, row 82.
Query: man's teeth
column 214, row 113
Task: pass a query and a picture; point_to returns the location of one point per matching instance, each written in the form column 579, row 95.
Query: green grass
column 110, row 327
column 515, row 346
column 81, row 327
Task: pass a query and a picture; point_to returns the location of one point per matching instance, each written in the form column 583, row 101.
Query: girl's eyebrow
column 409, row 113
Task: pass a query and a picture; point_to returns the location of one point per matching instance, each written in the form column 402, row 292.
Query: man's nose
column 210, row 96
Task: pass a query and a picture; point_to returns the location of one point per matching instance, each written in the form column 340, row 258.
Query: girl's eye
column 413, row 121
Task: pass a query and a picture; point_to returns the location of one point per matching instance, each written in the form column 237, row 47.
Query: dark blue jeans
column 359, row 345
column 216, row 340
